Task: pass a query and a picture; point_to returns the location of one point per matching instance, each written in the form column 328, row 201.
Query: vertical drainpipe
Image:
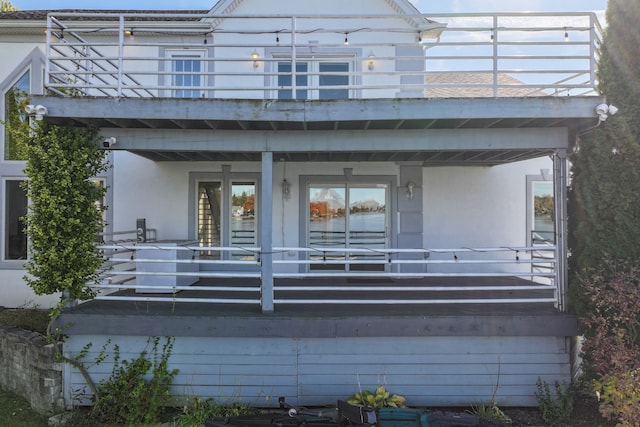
column 560, row 204
column 266, row 232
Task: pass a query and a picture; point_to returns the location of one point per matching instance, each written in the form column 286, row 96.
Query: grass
column 31, row 319
column 16, row 412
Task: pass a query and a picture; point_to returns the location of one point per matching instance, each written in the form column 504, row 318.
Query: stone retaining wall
column 28, row 368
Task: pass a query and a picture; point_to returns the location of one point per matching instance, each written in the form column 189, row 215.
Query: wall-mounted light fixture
column 37, row 111
column 371, row 64
column 603, row 111
column 255, row 55
column 130, row 34
column 566, row 34
column 410, row 189
column 286, row 189
column 346, row 39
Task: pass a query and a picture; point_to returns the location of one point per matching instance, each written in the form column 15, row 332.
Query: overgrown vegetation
column 556, row 406
column 612, row 346
column 29, row 318
column 196, row 411
column 66, row 211
column 138, row 391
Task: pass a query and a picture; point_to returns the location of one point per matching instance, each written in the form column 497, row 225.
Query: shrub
column 557, row 406
column 612, row 345
column 137, row 392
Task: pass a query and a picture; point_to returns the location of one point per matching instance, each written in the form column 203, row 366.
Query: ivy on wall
column 65, row 213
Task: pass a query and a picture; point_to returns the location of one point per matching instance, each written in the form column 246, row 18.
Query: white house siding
column 428, row 371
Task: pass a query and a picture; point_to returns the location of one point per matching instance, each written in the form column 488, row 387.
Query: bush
column 131, row 396
column 612, row 345
column 556, row 407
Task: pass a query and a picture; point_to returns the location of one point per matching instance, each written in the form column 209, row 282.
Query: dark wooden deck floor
column 330, row 320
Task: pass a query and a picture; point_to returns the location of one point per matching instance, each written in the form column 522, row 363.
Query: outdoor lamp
column 255, row 55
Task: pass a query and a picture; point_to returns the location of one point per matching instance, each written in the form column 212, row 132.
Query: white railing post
column 47, row 63
column 120, row 54
column 494, row 39
column 294, row 61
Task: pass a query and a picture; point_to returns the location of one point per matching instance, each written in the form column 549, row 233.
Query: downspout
column 560, row 220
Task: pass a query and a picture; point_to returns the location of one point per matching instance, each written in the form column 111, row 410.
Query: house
column 316, row 200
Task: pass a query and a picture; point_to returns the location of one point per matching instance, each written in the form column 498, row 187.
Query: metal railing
column 315, row 57
column 463, row 275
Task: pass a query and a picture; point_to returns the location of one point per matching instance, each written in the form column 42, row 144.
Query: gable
column 326, row 7
column 344, row 7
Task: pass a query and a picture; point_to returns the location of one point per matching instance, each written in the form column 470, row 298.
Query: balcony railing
column 496, row 275
column 316, row 57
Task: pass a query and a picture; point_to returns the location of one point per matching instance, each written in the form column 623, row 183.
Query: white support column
column 560, row 208
column 266, row 232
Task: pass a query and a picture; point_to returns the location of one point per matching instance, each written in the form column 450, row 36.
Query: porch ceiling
column 225, row 122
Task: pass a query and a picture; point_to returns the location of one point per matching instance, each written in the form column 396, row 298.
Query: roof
column 85, row 14
column 480, row 85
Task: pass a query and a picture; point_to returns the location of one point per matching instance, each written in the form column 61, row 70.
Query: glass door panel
column 367, row 224
column 243, row 217
column 209, row 217
column 362, row 225
column 327, row 224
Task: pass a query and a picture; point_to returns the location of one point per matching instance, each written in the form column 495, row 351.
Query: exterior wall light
column 286, row 189
column 410, row 188
column 371, row 64
column 255, row 55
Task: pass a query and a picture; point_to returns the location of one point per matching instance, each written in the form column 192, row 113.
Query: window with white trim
column 187, row 73
column 317, row 77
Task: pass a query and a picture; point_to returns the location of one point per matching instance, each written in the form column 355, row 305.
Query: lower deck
column 451, row 352
column 334, row 307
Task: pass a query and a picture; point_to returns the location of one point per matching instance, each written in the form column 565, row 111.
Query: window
column 186, row 74
column 315, row 73
column 15, row 99
column 15, row 238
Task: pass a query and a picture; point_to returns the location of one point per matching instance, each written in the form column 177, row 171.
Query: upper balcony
column 322, row 56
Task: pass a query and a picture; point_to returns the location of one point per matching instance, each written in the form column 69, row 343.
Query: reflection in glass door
column 209, row 217
column 362, row 225
column 243, row 217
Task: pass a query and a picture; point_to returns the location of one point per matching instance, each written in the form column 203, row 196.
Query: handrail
column 226, row 268
column 444, row 55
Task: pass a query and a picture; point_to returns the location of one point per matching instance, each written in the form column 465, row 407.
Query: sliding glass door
column 348, row 216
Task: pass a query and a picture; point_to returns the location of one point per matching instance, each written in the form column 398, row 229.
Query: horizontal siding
column 428, row 371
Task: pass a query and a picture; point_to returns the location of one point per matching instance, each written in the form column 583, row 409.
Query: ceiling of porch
column 225, row 124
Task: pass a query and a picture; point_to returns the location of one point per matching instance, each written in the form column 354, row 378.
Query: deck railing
column 347, row 275
column 318, row 57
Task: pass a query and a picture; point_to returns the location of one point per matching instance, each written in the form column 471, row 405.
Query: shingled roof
column 453, row 85
column 41, row 15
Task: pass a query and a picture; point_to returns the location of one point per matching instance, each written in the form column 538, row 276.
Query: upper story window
column 316, row 77
column 15, row 99
column 187, row 74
